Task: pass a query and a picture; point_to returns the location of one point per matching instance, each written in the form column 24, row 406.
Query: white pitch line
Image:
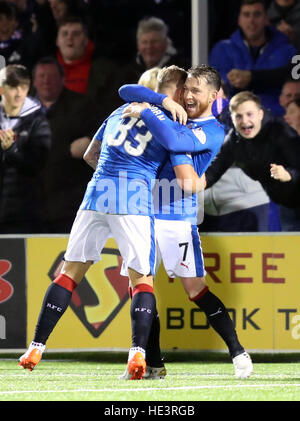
column 143, row 389
column 204, row 377
column 43, row 374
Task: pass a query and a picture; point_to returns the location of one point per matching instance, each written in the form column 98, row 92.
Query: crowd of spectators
column 79, row 52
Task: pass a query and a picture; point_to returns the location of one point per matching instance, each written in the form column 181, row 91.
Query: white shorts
column 178, row 245
column 134, row 235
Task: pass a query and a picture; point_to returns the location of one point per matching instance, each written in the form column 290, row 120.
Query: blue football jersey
column 181, row 205
column 131, row 158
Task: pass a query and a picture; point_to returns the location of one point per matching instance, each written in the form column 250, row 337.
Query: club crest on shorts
column 100, row 296
column 199, row 133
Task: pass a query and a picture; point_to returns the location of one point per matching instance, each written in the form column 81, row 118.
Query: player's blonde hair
column 149, row 78
column 170, row 75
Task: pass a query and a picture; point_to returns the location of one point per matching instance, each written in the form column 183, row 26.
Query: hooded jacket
column 20, row 186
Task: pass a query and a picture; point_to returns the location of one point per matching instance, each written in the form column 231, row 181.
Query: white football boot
column 243, row 367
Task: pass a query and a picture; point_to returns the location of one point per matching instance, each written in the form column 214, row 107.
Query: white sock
column 134, row 350
column 37, row 345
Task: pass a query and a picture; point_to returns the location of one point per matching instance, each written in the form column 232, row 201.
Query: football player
column 178, row 242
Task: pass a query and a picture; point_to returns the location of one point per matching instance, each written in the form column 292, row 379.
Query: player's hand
column 7, row 138
column 278, row 172
column 240, row 79
column 177, row 111
column 135, row 109
column 202, row 182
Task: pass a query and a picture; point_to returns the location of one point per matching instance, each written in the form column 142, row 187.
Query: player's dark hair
column 49, row 60
column 169, row 75
column 210, row 74
column 14, row 75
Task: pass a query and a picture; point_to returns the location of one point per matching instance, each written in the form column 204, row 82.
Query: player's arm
column 188, row 179
column 175, row 141
column 186, row 175
column 139, row 93
column 91, row 155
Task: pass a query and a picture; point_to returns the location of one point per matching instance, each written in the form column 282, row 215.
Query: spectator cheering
column 268, row 152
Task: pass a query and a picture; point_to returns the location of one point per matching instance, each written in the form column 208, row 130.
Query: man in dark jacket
column 154, row 49
column 267, row 152
column 73, row 122
column 25, row 143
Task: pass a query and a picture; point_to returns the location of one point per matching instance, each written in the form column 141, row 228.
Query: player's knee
column 75, row 270
column 199, row 287
column 137, row 278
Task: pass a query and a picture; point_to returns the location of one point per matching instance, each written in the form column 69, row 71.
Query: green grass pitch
column 93, row 377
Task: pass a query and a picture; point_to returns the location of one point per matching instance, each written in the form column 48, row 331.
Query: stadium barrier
column 256, row 276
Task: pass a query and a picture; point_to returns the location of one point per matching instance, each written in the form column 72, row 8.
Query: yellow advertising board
column 256, row 277
column 98, row 316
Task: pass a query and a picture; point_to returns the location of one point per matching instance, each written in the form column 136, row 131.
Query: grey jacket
column 233, row 192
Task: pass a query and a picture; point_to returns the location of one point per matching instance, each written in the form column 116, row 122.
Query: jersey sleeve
column 210, row 139
column 99, row 134
column 139, row 93
column 180, row 159
column 171, row 135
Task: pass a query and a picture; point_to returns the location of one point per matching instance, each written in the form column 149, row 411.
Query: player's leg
column 134, row 235
column 155, row 367
column 142, row 309
column 182, row 256
column 56, row 301
column 168, row 238
column 218, row 317
column 214, row 309
column 83, row 249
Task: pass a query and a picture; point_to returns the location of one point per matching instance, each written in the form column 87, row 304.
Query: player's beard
column 200, row 109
